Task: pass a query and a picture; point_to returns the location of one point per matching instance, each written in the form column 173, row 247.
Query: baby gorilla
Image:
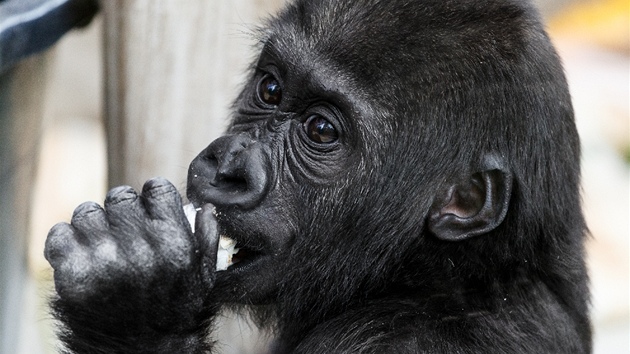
column 398, row 176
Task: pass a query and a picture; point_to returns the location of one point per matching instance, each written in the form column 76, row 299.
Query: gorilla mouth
column 233, row 257
column 230, row 255
column 243, row 258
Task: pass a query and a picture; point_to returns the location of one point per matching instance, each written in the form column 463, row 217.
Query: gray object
column 29, row 26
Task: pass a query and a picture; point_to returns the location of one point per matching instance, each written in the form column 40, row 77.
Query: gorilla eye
column 269, row 90
column 320, row 130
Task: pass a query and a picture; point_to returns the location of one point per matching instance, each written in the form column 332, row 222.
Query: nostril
column 211, row 161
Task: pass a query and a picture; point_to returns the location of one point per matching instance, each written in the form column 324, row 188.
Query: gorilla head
column 414, row 151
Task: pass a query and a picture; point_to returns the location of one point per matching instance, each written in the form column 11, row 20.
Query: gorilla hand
column 136, row 266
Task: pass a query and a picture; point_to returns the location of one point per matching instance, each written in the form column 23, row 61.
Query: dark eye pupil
column 320, row 130
column 270, row 91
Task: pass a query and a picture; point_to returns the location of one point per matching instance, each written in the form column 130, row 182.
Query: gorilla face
column 279, row 174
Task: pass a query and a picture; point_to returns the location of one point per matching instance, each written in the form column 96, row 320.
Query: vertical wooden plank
column 172, row 69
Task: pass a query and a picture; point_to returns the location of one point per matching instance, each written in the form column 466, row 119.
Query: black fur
column 442, row 216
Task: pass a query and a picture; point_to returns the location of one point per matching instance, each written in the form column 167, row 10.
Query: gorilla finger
column 61, row 241
column 207, row 236
column 124, row 208
column 89, row 217
column 162, row 200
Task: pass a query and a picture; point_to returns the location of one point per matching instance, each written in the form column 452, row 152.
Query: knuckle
column 107, row 251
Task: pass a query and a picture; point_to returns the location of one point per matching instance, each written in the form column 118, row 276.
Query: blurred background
column 188, row 61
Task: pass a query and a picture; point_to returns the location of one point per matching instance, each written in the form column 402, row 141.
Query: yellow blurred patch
column 603, row 22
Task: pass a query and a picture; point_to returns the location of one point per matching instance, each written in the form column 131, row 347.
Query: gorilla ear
column 472, row 208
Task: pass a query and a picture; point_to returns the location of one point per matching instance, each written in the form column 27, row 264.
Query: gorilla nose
column 231, row 171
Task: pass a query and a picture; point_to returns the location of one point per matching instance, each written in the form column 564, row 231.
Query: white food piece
column 225, row 252
column 226, row 245
column 191, row 212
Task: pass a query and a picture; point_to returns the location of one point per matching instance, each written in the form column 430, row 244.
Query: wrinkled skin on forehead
column 399, row 176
